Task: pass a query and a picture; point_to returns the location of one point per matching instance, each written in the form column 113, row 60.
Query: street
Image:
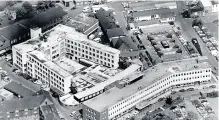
column 186, row 25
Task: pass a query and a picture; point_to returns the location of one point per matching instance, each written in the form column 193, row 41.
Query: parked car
column 213, row 86
column 182, row 90
column 73, row 113
column 190, row 89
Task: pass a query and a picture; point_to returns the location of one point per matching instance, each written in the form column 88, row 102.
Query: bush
column 212, row 94
column 169, row 100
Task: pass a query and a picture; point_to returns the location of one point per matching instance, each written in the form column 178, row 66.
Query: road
column 186, row 25
column 64, row 111
column 17, row 78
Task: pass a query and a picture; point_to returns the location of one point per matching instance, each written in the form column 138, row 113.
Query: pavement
column 186, row 26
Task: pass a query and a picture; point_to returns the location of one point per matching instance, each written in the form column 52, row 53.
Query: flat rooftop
column 152, row 75
column 57, row 69
column 5, row 93
column 18, row 89
column 60, row 32
column 69, row 65
column 39, row 55
column 109, row 81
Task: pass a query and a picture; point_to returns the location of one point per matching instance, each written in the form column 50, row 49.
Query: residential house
column 20, row 31
column 38, row 107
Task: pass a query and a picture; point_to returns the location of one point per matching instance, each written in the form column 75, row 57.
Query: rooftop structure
column 18, row 89
column 5, row 95
column 69, row 65
column 103, row 85
column 152, row 75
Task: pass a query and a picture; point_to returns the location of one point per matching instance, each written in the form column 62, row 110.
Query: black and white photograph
column 109, row 60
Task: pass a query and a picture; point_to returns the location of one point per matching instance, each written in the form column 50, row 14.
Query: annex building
column 156, row 81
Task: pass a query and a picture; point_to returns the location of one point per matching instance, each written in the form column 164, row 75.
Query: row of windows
column 137, row 94
column 81, row 47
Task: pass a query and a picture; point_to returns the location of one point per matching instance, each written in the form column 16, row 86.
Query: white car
column 38, row 82
column 73, row 113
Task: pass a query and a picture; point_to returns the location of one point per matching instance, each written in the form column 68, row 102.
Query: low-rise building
column 210, row 6
column 156, row 81
column 86, row 25
column 5, row 95
column 163, row 14
column 95, row 8
column 36, row 107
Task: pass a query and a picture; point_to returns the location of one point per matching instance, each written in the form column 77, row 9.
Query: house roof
column 42, row 101
column 13, row 31
column 115, row 32
column 123, row 43
column 18, row 89
column 105, row 20
column 44, row 17
column 152, row 12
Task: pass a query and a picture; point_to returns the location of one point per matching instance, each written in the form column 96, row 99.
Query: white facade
column 188, row 77
column 142, row 18
column 42, row 72
column 172, row 75
column 215, row 8
column 19, row 59
column 37, row 57
column 95, row 8
column 163, row 20
column 79, row 50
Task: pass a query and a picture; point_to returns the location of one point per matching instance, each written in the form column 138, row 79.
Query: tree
column 21, row 13
column 176, row 46
column 159, row 53
column 150, row 38
column 179, row 51
column 153, row 42
column 27, row 6
column 172, row 40
column 197, row 22
column 171, row 23
column 169, row 35
column 74, row 2
column 73, row 88
column 169, row 100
